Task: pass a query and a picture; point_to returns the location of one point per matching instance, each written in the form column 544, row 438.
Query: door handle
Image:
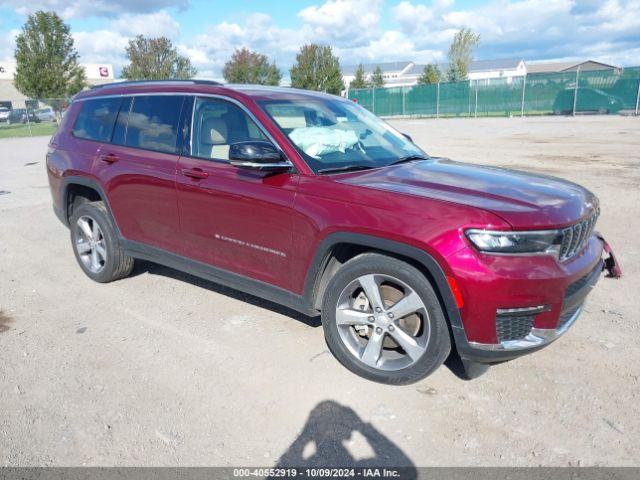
column 109, row 158
column 196, row 173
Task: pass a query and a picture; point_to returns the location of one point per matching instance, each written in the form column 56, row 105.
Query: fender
column 67, row 181
column 443, row 290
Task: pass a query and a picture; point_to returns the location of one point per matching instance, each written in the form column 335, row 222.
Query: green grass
column 20, row 130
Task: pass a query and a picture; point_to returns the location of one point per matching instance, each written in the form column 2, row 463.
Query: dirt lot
column 164, row 369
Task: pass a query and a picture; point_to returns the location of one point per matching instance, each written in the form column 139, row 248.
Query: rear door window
column 120, row 129
column 153, row 123
column 96, row 119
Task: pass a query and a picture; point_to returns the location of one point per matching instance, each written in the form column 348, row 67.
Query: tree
column 376, row 79
column 246, row 66
column 156, row 59
column 461, row 54
column 46, row 59
column 431, row 74
column 317, row 69
column 359, row 80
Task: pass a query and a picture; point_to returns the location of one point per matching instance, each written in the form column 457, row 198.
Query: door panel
column 236, row 219
column 141, row 189
column 138, row 168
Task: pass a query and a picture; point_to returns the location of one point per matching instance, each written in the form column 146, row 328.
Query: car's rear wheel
column 382, row 320
column 95, row 244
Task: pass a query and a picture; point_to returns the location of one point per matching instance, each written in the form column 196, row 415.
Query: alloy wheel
column 383, row 322
column 90, row 244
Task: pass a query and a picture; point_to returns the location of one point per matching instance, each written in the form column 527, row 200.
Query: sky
column 360, row 31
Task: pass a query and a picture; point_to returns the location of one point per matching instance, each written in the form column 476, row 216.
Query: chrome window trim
column 201, row 95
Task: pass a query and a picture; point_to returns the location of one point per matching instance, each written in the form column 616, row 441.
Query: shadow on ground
column 324, row 442
column 5, row 321
column 453, row 362
column 156, row 269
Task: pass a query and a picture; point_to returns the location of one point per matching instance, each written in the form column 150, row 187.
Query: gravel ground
column 164, row 369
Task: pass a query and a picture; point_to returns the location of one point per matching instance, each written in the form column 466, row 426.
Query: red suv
column 312, row 202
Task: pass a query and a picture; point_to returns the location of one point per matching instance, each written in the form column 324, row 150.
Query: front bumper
column 565, row 300
column 540, row 337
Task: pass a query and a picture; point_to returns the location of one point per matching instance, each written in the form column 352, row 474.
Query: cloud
column 533, row 29
column 153, row 25
column 108, row 45
column 78, row 9
column 343, row 22
column 209, row 51
column 607, row 30
column 101, row 46
column 8, row 44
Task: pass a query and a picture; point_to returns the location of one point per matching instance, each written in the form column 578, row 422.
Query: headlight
column 541, row 241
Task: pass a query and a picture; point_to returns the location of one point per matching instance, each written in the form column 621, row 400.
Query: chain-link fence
column 615, row 91
column 24, row 118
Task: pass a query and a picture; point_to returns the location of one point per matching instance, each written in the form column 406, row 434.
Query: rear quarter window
column 96, row 119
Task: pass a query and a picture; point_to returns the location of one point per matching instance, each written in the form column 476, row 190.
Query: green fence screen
column 599, row 91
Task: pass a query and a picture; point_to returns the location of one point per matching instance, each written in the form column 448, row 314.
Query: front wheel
column 383, row 321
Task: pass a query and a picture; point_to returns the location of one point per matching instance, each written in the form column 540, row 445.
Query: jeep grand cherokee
column 312, row 202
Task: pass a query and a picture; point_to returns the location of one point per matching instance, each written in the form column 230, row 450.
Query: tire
column 425, row 331
column 102, row 244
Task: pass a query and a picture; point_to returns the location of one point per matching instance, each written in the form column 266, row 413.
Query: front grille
column 514, row 327
column 575, row 236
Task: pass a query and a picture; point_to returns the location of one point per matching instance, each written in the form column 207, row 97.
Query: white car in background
column 4, row 114
column 46, row 114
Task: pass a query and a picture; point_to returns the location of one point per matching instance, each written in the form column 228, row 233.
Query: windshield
column 338, row 134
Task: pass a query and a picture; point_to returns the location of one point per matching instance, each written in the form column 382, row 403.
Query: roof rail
column 152, row 82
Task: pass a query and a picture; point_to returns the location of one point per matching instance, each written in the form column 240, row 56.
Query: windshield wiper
column 345, row 168
column 408, row 158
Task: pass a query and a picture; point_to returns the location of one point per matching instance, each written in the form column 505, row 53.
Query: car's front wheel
column 383, row 321
column 96, row 245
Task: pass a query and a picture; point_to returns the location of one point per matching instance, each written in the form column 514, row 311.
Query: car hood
column 524, row 200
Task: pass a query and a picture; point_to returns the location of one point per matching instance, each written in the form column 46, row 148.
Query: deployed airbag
column 318, row 141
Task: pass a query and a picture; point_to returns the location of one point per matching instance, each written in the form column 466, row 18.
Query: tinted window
column 120, row 129
column 153, row 123
column 96, row 119
column 218, row 124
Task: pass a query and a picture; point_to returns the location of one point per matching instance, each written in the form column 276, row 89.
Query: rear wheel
column 95, row 244
column 383, row 321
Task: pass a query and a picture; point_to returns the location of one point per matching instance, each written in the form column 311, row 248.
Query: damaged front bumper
column 538, row 338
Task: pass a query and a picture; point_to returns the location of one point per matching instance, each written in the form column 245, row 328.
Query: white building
column 96, row 73
column 557, row 67
column 486, row 72
column 400, row 74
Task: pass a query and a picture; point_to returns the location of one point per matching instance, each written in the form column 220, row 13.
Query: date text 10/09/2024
column 319, row 472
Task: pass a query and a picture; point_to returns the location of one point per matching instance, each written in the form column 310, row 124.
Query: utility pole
column 575, row 92
column 373, row 101
column 524, row 86
column 475, row 111
column 638, row 95
column 438, row 100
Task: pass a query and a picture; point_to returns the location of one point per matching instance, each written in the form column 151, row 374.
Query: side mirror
column 407, row 137
column 257, row 155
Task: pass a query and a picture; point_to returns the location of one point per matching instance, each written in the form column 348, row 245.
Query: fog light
column 516, row 323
